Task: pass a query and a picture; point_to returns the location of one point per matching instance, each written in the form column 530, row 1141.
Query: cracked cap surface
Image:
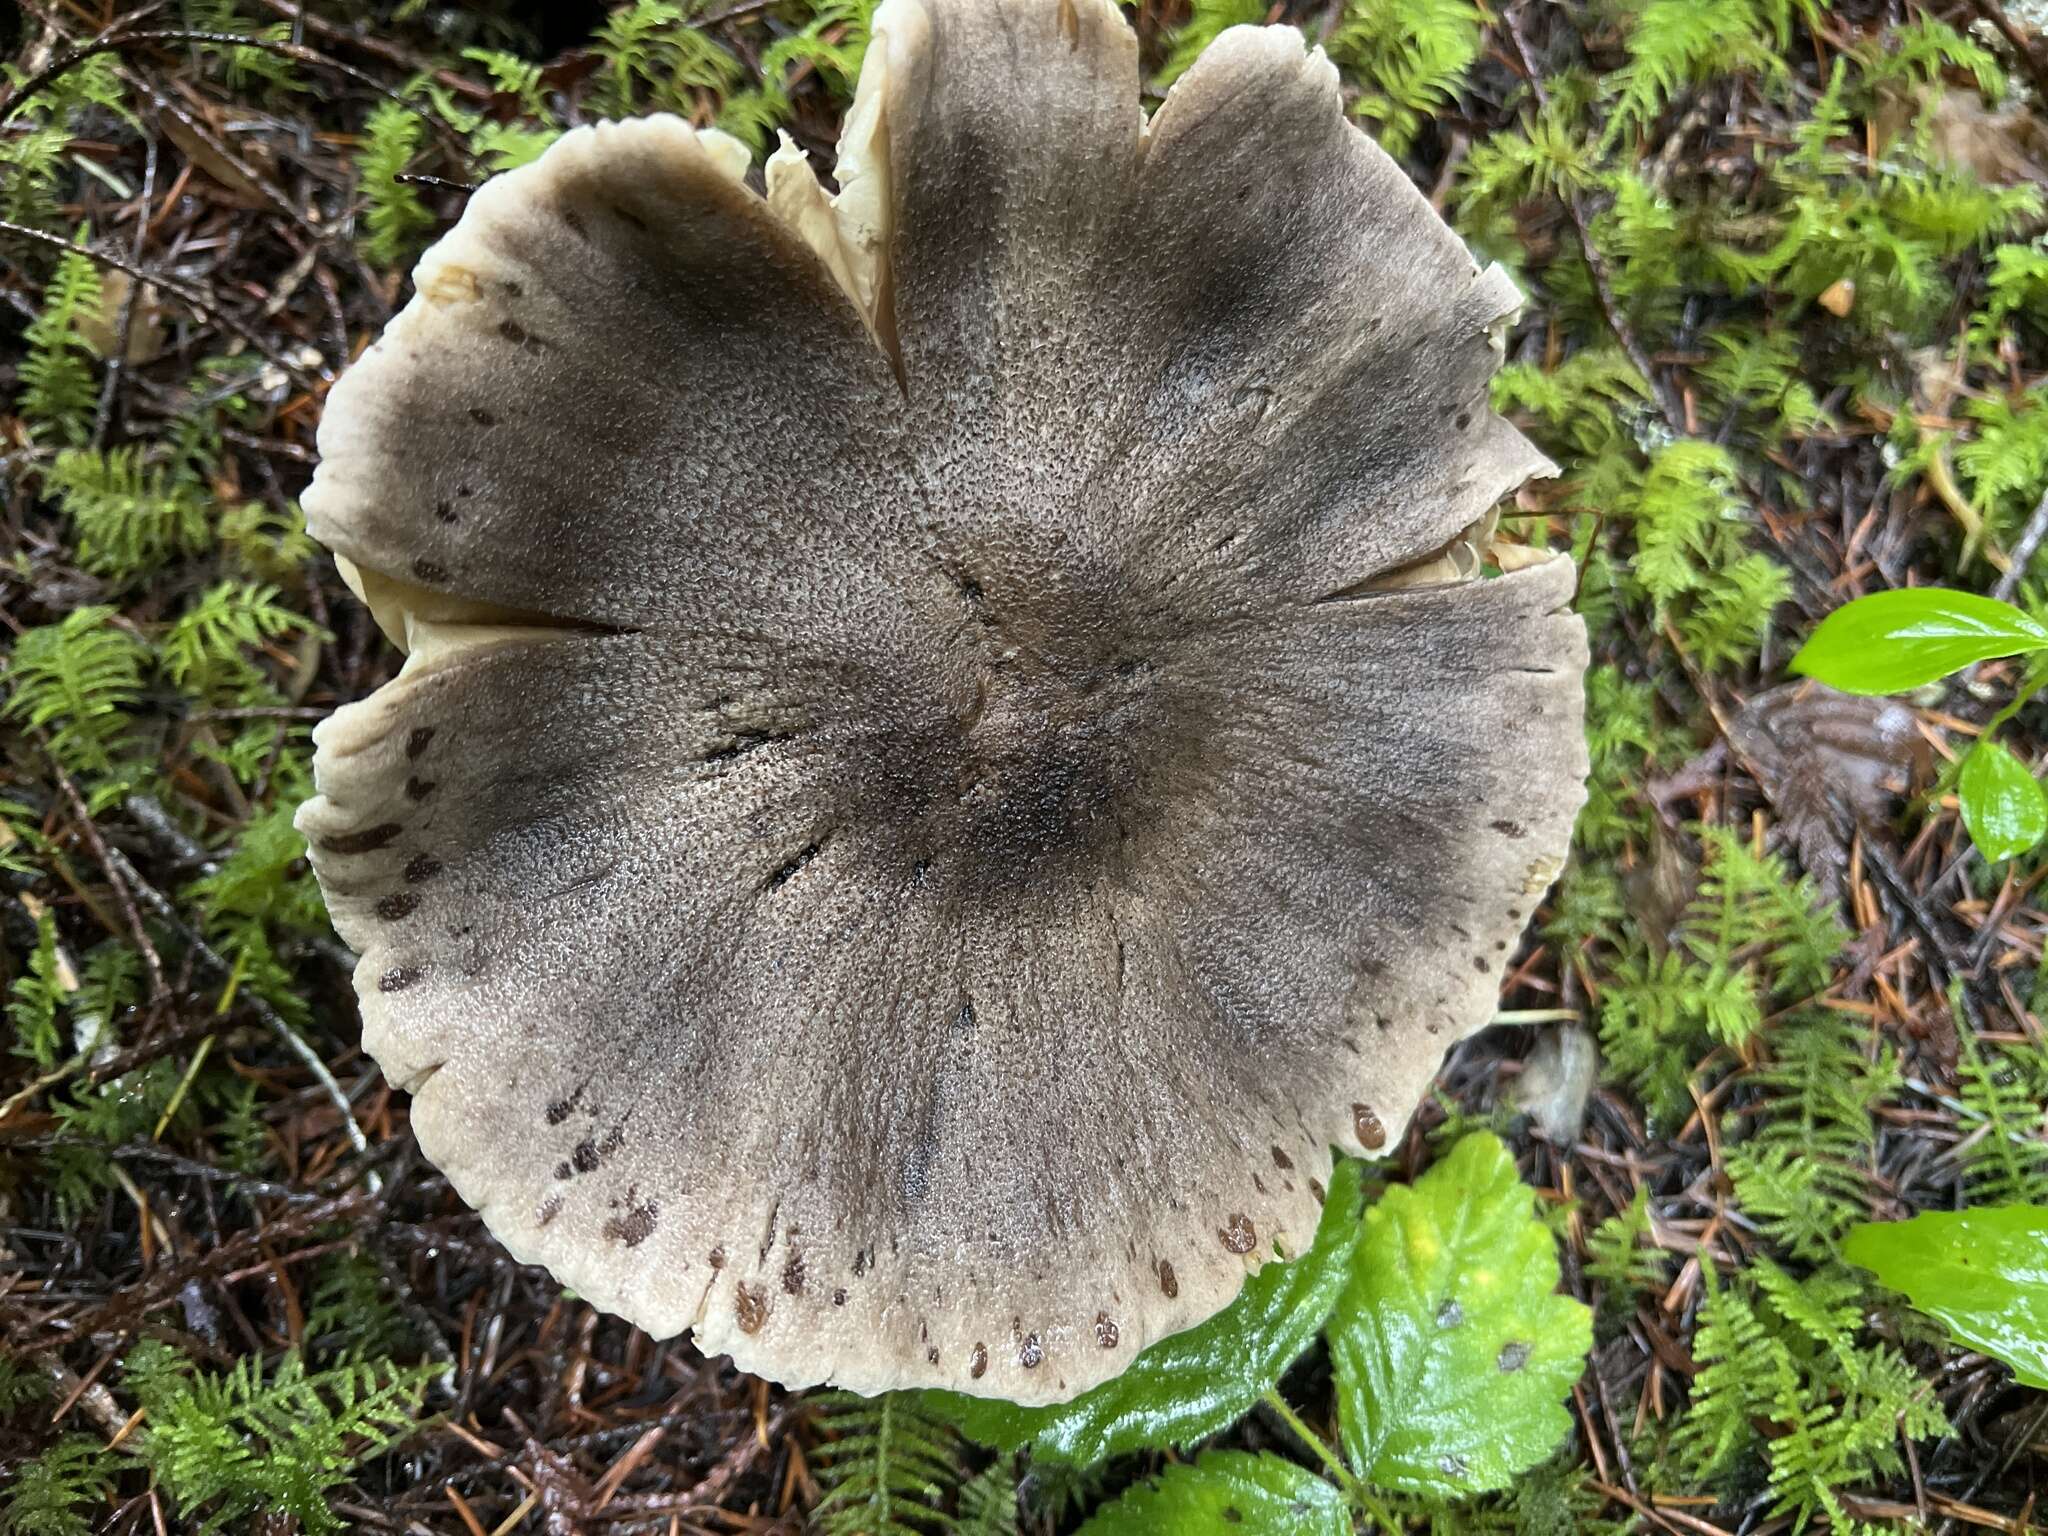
column 946, row 755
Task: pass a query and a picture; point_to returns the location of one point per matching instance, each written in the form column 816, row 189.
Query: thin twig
column 2023, row 552
column 211, row 958
column 159, row 988
column 113, row 43
column 124, row 327
column 2032, row 61
column 178, row 289
column 1596, row 262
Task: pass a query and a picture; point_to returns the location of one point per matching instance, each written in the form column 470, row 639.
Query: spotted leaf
column 1451, row 1350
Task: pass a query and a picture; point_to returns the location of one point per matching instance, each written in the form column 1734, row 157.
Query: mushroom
column 953, row 740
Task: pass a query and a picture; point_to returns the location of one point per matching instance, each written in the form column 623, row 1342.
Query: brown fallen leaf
column 100, row 328
column 197, row 131
column 2005, row 146
column 1832, row 763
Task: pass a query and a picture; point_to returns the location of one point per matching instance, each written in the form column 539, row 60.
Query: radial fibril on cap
column 951, row 746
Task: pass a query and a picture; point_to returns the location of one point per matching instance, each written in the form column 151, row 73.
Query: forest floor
column 1788, row 340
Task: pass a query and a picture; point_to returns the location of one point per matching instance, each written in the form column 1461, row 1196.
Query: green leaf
column 2002, row 803
column 1983, row 1274
column 1192, row 1384
column 1227, row 1493
column 1891, row 641
column 1450, row 1348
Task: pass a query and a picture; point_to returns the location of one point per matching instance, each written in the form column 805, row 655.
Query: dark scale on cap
column 634, row 1227
column 1106, row 1332
column 1167, row 1283
column 399, row 977
column 416, row 742
column 417, row 789
column 932, row 1356
column 1238, row 1235
column 421, row 868
column 429, row 570
column 1029, row 1352
column 839, row 1297
column 1315, row 1187
column 1366, row 1126
column 793, row 1274
column 564, row 1171
column 716, row 1258
column 482, row 417
column 550, row 1208
column 585, row 1156
column 1281, row 1160
column 1509, row 829
column 1479, row 964
column 369, row 840
column 398, row 904
column 749, row 1307
column 978, row 1366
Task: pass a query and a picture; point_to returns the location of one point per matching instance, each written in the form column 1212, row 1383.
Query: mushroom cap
column 949, row 751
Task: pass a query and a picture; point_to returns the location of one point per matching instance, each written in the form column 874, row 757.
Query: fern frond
column 1750, row 909
column 45, row 125
column 393, row 215
column 1410, row 58
column 2004, row 1153
column 33, row 1000
column 988, row 1503
column 652, row 59
column 79, row 680
column 131, row 520
column 58, row 381
column 243, row 67
column 51, row 1492
column 202, row 653
column 1803, row 1170
column 233, row 1444
column 887, row 1469
column 1620, row 1250
column 1677, row 43
column 1782, row 1354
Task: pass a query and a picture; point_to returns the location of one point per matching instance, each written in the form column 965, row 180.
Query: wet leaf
column 1451, row 1350
column 1195, row 1383
column 2002, row 802
column 1891, row 641
column 1982, row 1274
column 1233, row 1492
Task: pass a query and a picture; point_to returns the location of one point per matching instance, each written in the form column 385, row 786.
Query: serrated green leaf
column 1451, row 1350
column 2002, row 802
column 1227, row 1493
column 1192, row 1384
column 1891, row 641
column 1982, row 1274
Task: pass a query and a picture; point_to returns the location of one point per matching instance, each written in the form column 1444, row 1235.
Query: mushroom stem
column 1355, row 1490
